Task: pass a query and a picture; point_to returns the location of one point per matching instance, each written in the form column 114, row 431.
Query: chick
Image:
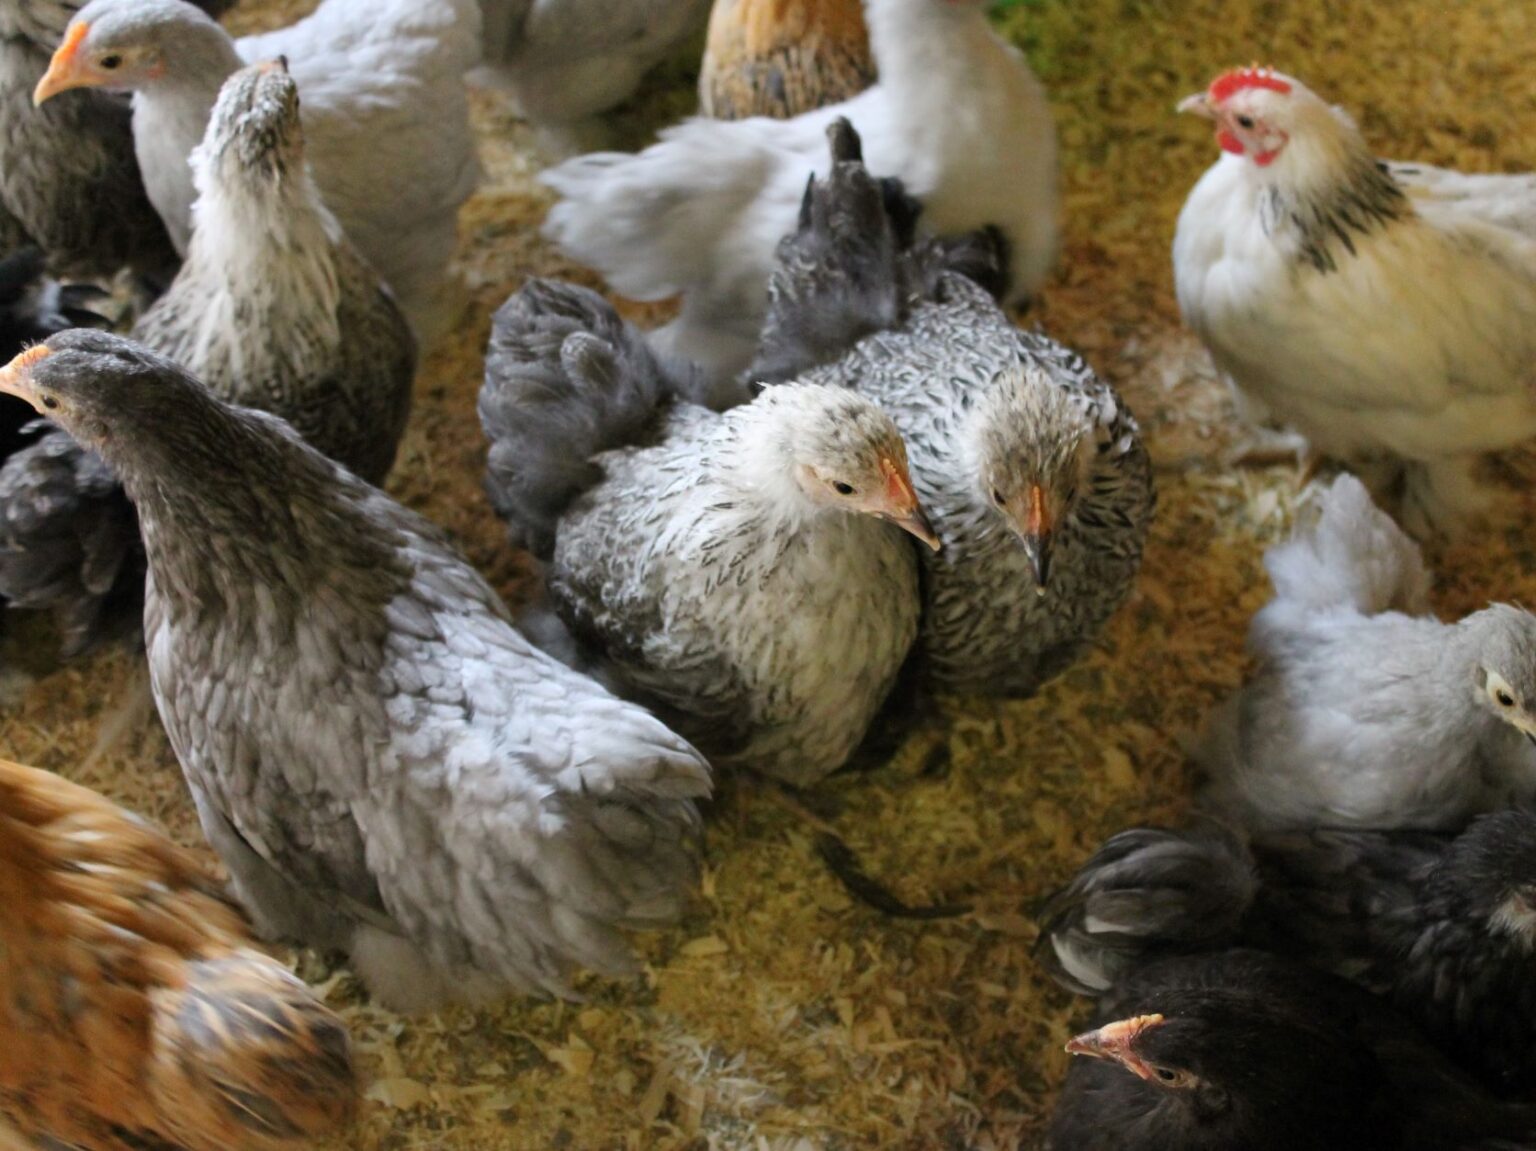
column 1241, row 1050
column 137, row 1013
column 1365, row 710
column 1396, row 332
column 385, row 765
column 780, row 58
column 1440, row 924
column 715, row 560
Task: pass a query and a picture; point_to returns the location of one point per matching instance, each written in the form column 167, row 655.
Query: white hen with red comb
column 1387, row 313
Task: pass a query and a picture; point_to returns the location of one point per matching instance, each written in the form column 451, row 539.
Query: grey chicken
column 1032, row 468
column 273, row 309
column 384, row 763
column 1243, row 1051
column 1442, row 925
column 69, row 181
column 727, row 569
column 385, row 110
column 1365, row 710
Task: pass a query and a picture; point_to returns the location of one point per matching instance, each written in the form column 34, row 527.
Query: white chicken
column 957, row 116
column 565, row 61
column 1386, row 312
column 386, row 115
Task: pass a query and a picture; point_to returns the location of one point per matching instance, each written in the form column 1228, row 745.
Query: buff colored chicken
column 780, row 58
column 134, row 1012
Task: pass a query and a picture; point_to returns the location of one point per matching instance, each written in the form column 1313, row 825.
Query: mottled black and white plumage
column 273, row 309
column 727, row 569
column 1033, row 469
column 383, row 762
column 1365, row 710
column 1243, row 1051
column 1442, row 925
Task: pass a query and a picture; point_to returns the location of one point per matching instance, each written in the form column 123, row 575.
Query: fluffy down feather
column 135, row 1011
column 383, row 762
column 701, row 212
column 772, row 58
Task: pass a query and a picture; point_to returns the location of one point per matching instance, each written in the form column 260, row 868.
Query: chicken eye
column 1504, row 698
column 1245, row 122
column 843, row 489
column 997, row 496
column 49, row 402
column 111, row 62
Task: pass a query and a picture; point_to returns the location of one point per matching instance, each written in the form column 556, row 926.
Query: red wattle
column 1227, row 142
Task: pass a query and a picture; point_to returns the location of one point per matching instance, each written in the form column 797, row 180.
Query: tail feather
column 1145, row 893
column 565, row 378
column 1352, row 555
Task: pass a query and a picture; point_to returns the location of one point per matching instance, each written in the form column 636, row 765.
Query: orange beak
column 1113, row 1041
column 1036, row 529
column 66, row 70
column 13, row 377
column 902, row 507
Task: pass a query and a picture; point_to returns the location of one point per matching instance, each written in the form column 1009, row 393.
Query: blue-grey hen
column 273, row 309
column 382, row 760
column 1442, row 925
column 1365, row 710
column 728, row 569
column 1032, row 467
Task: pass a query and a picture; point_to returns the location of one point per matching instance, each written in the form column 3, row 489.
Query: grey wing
column 1504, row 200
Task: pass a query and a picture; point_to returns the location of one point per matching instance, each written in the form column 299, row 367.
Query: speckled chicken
column 383, row 762
column 1440, row 924
column 728, row 569
column 136, row 1012
column 780, row 58
column 957, row 115
column 1386, row 313
column 273, row 309
column 385, row 110
column 1242, row 1050
column 1031, row 467
column 566, row 61
column 1365, row 710
column 69, row 181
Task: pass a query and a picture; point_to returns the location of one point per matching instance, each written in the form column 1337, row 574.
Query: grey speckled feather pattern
column 273, row 309
column 380, row 758
column 983, row 406
column 1365, row 710
column 766, row 628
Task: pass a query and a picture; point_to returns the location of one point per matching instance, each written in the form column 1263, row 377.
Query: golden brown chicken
column 134, row 1014
column 783, row 57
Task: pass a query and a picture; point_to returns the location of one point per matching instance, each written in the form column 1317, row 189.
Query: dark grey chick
column 1031, row 466
column 273, row 309
column 1243, row 1051
column 69, row 180
column 384, row 763
column 1444, row 926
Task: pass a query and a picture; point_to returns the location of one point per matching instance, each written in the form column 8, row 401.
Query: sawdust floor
column 780, row 1015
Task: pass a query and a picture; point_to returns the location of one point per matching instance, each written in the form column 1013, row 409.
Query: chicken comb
column 1237, row 80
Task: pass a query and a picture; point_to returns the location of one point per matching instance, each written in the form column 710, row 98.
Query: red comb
column 1230, row 83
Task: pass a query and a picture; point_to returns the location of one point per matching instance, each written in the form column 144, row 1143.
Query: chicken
column 385, row 765
column 1240, row 1051
column 385, row 111
column 69, row 182
column 727, row 569
column 136, row 1011
column 1440, row 924
column 780, row 58
column 1388, row 314
column 273, row 309
column 1365, row 710
column 701, row 212
column 1034, row 471
column 566, row 61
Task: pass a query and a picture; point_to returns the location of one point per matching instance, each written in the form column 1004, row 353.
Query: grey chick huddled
column 1365, row 710
column 383, row 762
column 1442, row 925
column 273, row 309
column 730, row 570
column 1031, row 466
